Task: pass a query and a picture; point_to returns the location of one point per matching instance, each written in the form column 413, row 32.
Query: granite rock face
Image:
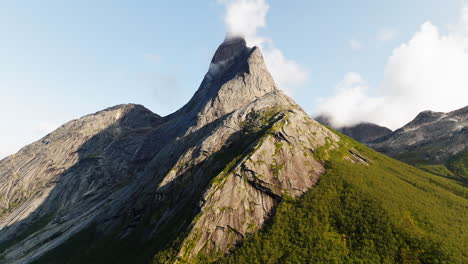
column 434, row 135
column 204, row 176
column 57, row 186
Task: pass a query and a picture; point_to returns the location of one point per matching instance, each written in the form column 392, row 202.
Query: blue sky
column 60, row 60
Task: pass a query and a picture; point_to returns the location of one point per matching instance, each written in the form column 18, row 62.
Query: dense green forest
column 458, row 164
column 455, row 167
column 382, row 212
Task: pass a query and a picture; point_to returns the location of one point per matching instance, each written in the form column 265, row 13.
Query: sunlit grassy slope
column 384, row 212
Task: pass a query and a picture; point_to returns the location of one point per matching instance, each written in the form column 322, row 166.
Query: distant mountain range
column 433, row 141
column 240, row 174
column 362, row 132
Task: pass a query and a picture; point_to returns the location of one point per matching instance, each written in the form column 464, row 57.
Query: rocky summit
column 126, row 179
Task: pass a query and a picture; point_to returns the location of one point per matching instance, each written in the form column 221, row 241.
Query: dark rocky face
column 365, row 132
column 362, row 132
column 230, row 48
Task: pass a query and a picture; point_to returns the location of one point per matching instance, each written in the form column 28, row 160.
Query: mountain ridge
column 434, row 135
column 128, row 172
column 432, row 141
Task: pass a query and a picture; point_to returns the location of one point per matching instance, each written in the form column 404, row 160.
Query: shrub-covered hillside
column 382, row 212
column 455, row 167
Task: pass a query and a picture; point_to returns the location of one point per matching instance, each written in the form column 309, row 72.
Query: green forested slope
column 458, row 164
column 384, row 212
column 455, row 167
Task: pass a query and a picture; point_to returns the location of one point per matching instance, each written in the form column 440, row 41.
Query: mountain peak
column 237, row 76
column 231, row 52
column 230, row 48
column 424, row 117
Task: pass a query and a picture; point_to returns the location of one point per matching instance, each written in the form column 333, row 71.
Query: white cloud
column 387, row 34
column 286, row 72
column 429, row 72
column 350, row 102
column 355, row 44
column 244, row 18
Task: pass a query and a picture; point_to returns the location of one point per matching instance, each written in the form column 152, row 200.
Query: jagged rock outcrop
column 200, row 179
column 432, row 136
column 362, row 132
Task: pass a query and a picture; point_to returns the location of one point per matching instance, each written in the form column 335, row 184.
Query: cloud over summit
column 244, row 18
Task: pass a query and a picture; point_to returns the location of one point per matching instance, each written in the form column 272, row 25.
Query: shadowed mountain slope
column 362, row 132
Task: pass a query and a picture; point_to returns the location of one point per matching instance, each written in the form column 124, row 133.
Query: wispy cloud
column 244, row 18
